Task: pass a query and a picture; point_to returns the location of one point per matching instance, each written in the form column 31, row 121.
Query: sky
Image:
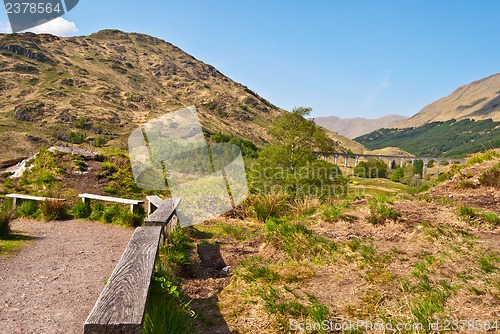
column 363, row 58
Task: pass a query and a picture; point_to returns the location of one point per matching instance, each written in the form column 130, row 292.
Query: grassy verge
column 167, row 310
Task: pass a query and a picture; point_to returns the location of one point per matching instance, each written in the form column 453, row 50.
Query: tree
column 292, row 165
column 373, row 168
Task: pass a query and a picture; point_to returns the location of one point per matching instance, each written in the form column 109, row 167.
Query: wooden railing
column 122, row 304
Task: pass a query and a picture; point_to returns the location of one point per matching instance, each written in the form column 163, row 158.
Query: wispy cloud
column 58, row 27
column 370, row 99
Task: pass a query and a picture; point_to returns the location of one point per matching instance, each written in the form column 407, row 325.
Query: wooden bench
column 134, row 204
column 122, row 304
column 18, row 198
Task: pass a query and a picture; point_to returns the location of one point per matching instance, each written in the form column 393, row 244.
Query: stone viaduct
column 392, row 160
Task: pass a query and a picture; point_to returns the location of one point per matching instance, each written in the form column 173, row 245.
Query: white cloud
column 58, row 27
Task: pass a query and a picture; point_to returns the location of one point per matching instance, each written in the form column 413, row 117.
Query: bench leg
column 86, row 201
column 133, row 208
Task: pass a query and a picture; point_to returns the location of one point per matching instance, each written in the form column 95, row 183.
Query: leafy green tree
column 373, row 168
column 418, row 167
column 293, row 165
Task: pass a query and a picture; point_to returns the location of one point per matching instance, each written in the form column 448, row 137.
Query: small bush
column 491, row 177
column 268, row 205
column 27, row 209
column 76, row 137
column 53, row 210
column 6, row 216
column 81, row 210
column 480, row 157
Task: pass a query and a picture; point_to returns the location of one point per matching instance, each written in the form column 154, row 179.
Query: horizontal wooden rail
column 122, row 304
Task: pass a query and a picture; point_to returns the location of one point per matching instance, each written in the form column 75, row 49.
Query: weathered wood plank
column 164, row 213
column 33, row 198
column 154, row 203
column 18, row 198
column 122, row 304
column 111, row 199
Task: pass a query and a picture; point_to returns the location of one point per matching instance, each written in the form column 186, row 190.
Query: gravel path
column 51, row 285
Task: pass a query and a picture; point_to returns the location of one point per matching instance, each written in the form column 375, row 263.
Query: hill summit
column 479, row 100
column 104, row 85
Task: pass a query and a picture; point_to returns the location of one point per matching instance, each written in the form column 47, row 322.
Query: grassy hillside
column 451, row 138
column 479, row 100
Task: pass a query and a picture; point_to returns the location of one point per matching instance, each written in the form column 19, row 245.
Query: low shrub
column 53, row 210
column 27, row 209
column 491, row 177
column 81, row 210
column 111, row 213
column 97, row 211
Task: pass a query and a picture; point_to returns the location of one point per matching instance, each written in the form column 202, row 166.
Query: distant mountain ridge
column 479, row 100
column 355, row 127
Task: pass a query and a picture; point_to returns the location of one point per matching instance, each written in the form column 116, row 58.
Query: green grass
column 297, row 241
column 380, row 212
column 336, row 213
column 12, row 243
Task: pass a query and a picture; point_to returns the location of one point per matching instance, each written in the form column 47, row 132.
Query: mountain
column 451, row 138
column 95, row 90
column 355, row 127
column 479, row 100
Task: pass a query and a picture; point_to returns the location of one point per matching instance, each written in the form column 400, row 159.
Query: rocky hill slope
column 477, row 100
column 355, row 127
column 104, row 85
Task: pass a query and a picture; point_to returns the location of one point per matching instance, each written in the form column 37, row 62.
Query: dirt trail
column 51, row 285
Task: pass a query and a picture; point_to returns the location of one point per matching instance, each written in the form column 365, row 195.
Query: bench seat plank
column 33, row 198
column 122, row 304
column 164, row 213
column 111, row 199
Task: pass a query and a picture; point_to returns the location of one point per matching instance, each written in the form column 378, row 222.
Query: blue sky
column 343, row 58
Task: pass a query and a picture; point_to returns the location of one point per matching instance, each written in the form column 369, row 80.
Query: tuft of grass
column 491, row 217
column 253, row 269
column 487, row 263
column 53, row 210
column 305, row 205
column 6, row 216
column 268, row 205
column 297, row 241
column 466, row 212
